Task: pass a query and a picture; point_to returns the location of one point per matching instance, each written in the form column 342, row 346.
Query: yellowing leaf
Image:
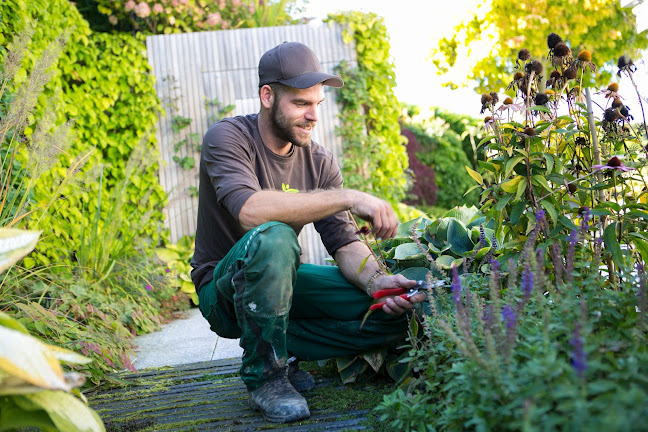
column 67, row 412
column 15, row 244
column 511, row 186
column 475, row 175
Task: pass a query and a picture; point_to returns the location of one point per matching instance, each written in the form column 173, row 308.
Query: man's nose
column 312, row 114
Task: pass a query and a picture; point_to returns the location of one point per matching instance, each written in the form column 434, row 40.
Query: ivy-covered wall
column 375, row 157
column 102, row 83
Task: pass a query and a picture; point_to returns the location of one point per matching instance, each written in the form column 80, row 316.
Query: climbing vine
column 375, row 157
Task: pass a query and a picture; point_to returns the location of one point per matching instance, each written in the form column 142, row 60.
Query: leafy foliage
column 602, row 27
column 441, row 149
column 375, row 158
column 171, row 16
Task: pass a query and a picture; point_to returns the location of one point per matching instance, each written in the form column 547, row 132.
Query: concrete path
column 184, row 340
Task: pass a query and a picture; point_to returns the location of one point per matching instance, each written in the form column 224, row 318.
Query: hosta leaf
column 462, row 213
column 415, row 273
column 15, row 244
column 375, row 358
column 458, row 238
column 405, row 229
column 408, row 251
column 446, row 261
column 66, row 412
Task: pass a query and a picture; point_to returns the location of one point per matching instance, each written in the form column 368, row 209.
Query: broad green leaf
column 516, row 213
column 511, row 186
column 458, row 238
column 9, row 322
column 502, row 203
column 15, row 244
column 445, row 261
column 475, row 175
column 510, row 164
column 415, row 273
column 167, row 255
column 637, row 214
column 550, row 209
column 549, row 159
column 30, row 364
column 539, row 108
column 539, row 180
column 462, row 213
column 642, row 247
column 567, row 223
column 66, row 411
column 405, row 229
column 521, row 188
column 612, row 244
column 408, row 251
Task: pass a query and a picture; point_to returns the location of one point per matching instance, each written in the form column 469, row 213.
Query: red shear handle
column 381, row 304
column 387, row 292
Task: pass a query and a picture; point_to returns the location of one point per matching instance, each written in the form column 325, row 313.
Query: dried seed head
column 487, row 119
column 524, row 54
column 572, row 187
column 541, row 99
column 555, row 74
column 508, row 101
column 614, row 162
column 624, row 61
column 614, row 87
column 616, row 103
column 549, row 93
column 611, row 114
column 561, row 50
column 533, row 66
column 552, row 40
column 625, row 111
column 494, row 97
column 581, row 141
column 486, row 98
column 584, row 56
column 518, row 75
column 570, row 73
column 529, row 131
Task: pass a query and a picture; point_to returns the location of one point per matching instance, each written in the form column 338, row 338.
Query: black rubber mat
column 206, row 396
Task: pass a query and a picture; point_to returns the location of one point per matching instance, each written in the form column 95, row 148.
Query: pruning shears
column 421, row 286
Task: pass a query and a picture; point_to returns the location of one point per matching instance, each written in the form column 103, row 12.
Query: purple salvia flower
column 494, row 242
column 482, row 236
column 508, row 316
column 573, row 237
column 586, row 216
column 527, row 281
column 540, row 215
column 487, row 316
column 456, row 285
column 495, row 265
column 578, row 358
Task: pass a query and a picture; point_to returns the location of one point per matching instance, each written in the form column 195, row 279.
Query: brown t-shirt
column 234, row 164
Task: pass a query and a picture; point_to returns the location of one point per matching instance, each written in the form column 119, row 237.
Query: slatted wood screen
column 197, row 74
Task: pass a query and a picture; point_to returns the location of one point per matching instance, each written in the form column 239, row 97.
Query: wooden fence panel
column 197, row 74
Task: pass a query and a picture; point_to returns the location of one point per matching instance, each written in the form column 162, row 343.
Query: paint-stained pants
column 278, row 308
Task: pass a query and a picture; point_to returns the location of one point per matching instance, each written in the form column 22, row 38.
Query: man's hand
column 396, row 305
column 378, row 213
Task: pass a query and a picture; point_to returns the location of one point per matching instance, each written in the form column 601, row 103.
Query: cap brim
column 310, row 79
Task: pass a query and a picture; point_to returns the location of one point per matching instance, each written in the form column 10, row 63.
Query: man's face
column 294, row 113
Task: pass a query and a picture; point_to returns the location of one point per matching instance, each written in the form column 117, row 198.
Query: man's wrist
column 369, row 287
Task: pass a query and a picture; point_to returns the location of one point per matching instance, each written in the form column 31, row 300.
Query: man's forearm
column 349, row 258
column 293, row 209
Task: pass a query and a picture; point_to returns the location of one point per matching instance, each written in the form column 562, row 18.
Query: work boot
column 278, row 401
column 301, row 380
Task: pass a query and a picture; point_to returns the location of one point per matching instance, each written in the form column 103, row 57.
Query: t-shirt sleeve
column 336, row 230
column 228, row 159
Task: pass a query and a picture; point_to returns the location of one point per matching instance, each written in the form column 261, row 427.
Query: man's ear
column 267, row 96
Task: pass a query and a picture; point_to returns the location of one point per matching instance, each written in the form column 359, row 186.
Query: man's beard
column 283, row 130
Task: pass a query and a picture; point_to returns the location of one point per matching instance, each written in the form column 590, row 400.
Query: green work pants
column 278, row 308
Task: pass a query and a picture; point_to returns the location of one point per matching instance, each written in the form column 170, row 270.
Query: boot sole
column 277, row 419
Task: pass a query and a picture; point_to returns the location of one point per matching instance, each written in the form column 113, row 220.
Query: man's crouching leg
column 263, row 298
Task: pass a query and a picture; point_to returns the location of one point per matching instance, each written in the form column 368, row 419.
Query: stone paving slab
column 187, row 339
column 204, row 396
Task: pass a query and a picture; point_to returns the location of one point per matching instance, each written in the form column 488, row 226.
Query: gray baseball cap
column 295, row 65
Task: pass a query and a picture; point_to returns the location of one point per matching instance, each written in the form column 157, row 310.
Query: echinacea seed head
column 555, row 74
column 624, row 61
column 572, row 187
column 529, row 131
column 549, row 93
column 616, row 103
column 610, row 114
column 570, row 73
column 518, row 75
column 487, row 119
column 561, row 50
column 533, row 66
column 494, row 97
column 614, row 162
column 486, row 98
column 584, row 56
column 614, row 87
column 508, row 101
column 524, row 54
column 552, row 40
column 541, row 99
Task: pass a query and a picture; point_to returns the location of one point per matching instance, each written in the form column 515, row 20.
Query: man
column 246, row 265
